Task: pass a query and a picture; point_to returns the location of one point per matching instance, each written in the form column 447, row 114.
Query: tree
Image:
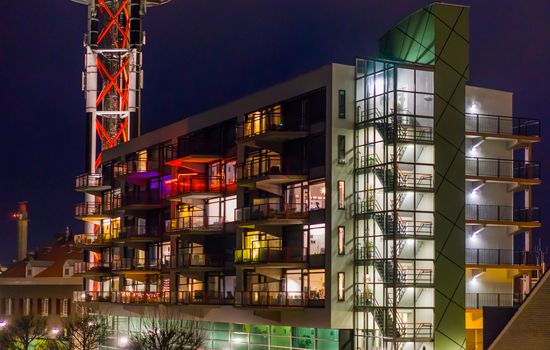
column 167, row 334
column 23, row 331
column 83, row 332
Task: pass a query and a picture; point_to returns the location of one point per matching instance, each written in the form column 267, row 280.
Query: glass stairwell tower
column 394, row 206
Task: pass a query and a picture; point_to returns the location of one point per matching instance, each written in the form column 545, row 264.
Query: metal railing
column 126, row 264
column 194, row 222
column 88, row 209
column 196, row 183
column 203, row 297
column 88, row 267
column 499, row 257
column 269, row 211
column 502, row 168
column 494, row 124
column 194, row 260
column 278, row 299
column 259, row 124
column 484, row 212
column 479, row 300
column 136, row 166
column 270, row 255
column 259, row 166
column 88, row 180
column 139, row 231
column 91, row 296
column 150, row 197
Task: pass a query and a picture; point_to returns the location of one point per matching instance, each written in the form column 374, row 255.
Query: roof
column 53, row 258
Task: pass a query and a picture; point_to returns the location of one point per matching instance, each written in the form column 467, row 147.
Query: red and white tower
column 112, row 79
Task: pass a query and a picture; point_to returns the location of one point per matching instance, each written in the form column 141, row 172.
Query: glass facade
column 394, row 206
column 234, row 336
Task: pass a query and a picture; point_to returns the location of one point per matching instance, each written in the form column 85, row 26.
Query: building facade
column 366, row 206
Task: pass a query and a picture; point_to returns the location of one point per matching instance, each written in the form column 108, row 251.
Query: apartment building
column 42, row 284
column 379, row 205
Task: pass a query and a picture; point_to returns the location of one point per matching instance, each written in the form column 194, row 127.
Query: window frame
column 341, row 149
column 341, row 294
column 341, row 240
column 341, row 184
column 341, row 104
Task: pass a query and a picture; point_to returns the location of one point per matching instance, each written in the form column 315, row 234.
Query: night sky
column 202, row 53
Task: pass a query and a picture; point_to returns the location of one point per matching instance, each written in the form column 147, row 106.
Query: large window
column 341, row 286
column 316, row 239
column 342, row 104
column 341, row 149
column 341, row 194
column 341, row 240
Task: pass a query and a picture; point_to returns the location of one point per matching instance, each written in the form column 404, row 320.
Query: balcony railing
column 493, row 124
column 260, row 166
column 88, row 209
column 480, row 300
column 260, row 124
column 136, row 167
column 139, row 231
column 499, row 257
column 195, row 260
column 194, row 223
column 128, row 297
column 202, row 297
column 501, row 213
column 88, row 180
column 278, row 299
column 269, row 211
column 126, row 264
column 270, row 255
column 91, row 296
column 502, row 168
column 91, row 267
column 197, row 183
column 151, row 197
column 88, row 238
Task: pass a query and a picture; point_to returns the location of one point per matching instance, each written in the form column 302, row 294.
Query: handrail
column 277, row 298
column 262, row 123
column 500, row 257
column 485, row 212
column 480, row 300
column 88, row 209
column 135, row 166
column 259, row 166
column 196, row 183
column 198, row 222
column 270, row 254
column 503, row 125
column 269, row 211
column 502, row 168
column 88, row 180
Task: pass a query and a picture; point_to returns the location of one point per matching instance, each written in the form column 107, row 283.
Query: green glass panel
column 259, row 339
column 239, row 346
column 304, row 332
column 259, row 329
column 258, row 347
column 220, row 335
column 280, row 330
column 303, row 343
column 237, row 327
column 239, row 337
column 221, row 326
column 327, row 345
column 280, row 341
column 221, row 345
column 330, row 334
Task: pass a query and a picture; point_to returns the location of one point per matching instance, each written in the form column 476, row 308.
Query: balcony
column 522, row 130
column 187, row 152
column 90, row 183
column 481, row 300
column 91, row 296
column 504, row 171
column 265, row 172
column 90, row 211
column 195, row 187
column 201, row 297
column 92, row 268
column 271, row 256
column 139, row 234
column 200, row 261
column 195, row 224
column 92, row 240
column 129, row 297
column 136, row 264
column 502, row 215
column 271, row 214
column 260, row 129
column 278, row 299
column 142, row 200
column 501, row 258
column 137, row 171
column 406, row 131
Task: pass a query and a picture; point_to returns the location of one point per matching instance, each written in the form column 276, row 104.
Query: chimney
column 22, row 217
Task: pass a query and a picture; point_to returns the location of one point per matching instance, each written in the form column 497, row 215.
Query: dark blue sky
column 201, row 53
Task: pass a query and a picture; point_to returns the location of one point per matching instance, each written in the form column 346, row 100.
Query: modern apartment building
column 366, row 206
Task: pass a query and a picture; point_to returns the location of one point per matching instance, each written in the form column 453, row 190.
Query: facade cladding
column 375, row 206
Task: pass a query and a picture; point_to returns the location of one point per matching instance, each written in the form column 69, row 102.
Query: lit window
column 341, row 240
column 341, row 149
column 45, row 307
column 9, row 307
column 342, row 104
column 341, row 194
column 26, row 306
column 64, row 307
column 341, row 286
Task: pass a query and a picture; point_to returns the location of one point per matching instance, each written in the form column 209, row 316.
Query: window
column 64, row 307
column 45, row 307
column 341, row 240
column 9, row 306
column 29, row 272
column 26, row 306
column 342, row 104
column 341, row 194
column 341, row 286
column 341, row 149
